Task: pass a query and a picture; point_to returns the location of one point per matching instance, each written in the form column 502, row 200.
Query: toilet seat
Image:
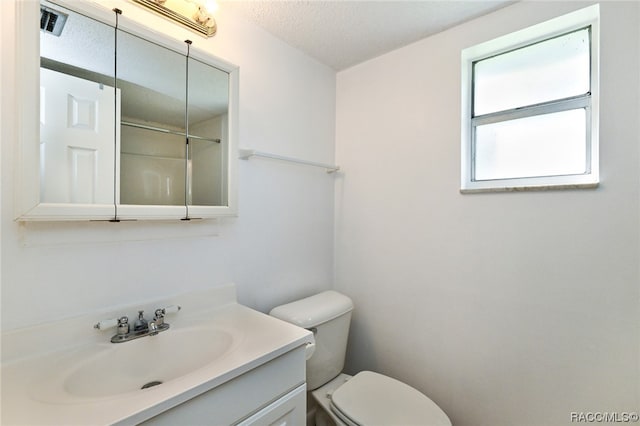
column 370, row 399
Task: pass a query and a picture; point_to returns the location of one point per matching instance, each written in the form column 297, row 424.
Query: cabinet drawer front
column 290, row 410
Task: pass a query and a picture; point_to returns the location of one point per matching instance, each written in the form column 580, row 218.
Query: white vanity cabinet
column 271, row 394
column 219, row 364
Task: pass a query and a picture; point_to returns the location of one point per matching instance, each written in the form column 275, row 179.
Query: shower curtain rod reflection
column 245, row 154
column 161, row 130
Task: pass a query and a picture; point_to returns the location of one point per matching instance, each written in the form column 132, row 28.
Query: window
column 530, row 107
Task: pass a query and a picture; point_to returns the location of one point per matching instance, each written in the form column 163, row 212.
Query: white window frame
column 587, row 17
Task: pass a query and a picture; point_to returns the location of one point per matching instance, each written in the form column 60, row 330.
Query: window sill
column 530, row 188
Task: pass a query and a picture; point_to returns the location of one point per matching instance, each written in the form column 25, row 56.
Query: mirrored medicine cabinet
column 132, row 124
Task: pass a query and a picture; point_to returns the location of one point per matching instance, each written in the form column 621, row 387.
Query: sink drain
column 151, row 384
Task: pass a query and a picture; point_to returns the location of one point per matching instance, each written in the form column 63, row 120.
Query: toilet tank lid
column 314, row 310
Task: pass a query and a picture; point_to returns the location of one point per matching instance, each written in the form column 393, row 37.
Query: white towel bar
column 245, row 154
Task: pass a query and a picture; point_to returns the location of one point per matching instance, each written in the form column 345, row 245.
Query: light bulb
column 209, row 6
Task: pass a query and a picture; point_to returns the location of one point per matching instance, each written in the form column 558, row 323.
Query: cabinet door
column 290, row 410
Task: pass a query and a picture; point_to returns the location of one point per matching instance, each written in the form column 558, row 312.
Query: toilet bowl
column 366, row 399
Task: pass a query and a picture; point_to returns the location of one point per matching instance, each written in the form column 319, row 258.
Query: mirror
column 162, row 94
column 77, row 131
column 143, row 126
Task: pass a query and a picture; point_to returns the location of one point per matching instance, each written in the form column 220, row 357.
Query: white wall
column 506, row 308
column 280, row 246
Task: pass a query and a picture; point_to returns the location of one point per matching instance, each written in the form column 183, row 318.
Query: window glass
column 556, row 68
column 542, row 145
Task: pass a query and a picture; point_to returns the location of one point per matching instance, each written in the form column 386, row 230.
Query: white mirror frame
column 28, row 205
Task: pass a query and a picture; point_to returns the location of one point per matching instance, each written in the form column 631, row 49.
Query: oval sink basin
column 135, row 365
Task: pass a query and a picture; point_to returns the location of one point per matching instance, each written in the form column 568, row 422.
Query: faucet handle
column 122, row 323
column 171, row 309
column 158, row 317
column 104, row 324
column 161, row 312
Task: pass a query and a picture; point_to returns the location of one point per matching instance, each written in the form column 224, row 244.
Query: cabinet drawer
column 290, row 410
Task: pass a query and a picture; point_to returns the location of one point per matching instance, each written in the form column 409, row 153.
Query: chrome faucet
column 141, row 327
column 140, row 323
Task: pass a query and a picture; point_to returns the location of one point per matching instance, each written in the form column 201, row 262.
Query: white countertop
column 257, row 339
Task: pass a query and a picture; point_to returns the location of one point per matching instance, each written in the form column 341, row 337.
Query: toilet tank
column 328, row 315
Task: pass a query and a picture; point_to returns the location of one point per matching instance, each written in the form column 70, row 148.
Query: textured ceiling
column 343, row 33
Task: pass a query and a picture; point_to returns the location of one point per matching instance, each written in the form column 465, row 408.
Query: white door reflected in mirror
column 76, row 140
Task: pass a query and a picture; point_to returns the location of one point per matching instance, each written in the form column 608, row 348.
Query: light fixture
column 194, row 14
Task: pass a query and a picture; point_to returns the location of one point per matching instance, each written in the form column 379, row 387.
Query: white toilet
column 365, row 399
